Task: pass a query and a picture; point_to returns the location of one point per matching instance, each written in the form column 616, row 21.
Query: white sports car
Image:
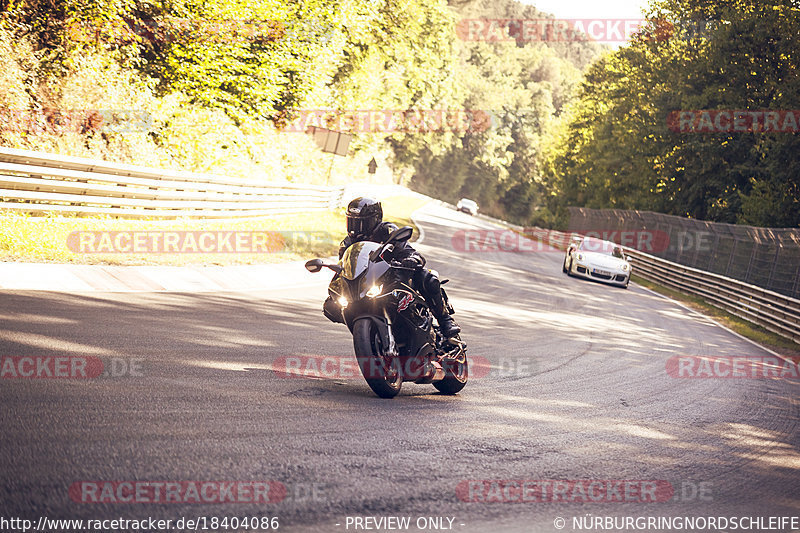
column 598, row 260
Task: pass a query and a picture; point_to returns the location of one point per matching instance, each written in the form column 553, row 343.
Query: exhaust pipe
column 433, row 372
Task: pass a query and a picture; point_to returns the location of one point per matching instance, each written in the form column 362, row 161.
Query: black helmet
column 363, row 216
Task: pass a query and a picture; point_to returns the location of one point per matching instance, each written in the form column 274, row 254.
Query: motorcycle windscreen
column 356, row 258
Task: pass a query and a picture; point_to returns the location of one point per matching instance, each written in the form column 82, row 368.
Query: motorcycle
column 393, row 330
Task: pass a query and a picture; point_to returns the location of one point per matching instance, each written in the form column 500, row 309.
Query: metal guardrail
column 773, row 311
column 765, row 257
column 770, row 310
column 36, row 182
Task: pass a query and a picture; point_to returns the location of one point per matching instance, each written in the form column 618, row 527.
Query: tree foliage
column 569, row 123
column 523, row 86
column 619, row 151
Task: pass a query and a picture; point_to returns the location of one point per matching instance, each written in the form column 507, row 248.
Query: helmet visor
column 360, row 226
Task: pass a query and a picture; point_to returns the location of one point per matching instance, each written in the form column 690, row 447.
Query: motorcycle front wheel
column 381, row 371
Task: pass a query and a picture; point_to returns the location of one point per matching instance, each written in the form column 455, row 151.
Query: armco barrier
column 765, row 257
column 772, row 311
column 36, row 182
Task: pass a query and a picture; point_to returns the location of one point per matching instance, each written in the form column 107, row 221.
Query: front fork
column 389, row 334
column 384, row 326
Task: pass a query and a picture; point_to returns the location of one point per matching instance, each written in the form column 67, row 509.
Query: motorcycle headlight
column 374, row 291
column 342, row 302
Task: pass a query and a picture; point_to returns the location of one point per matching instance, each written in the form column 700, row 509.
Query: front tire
column 381, row 372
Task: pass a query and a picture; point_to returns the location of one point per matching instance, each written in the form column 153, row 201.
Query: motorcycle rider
column 365, row 223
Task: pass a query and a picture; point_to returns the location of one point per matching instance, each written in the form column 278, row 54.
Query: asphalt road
column 577, row 390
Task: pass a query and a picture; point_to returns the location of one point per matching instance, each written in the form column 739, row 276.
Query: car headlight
column 374, row 291
column 626, row 267
column 342, row 302
column 580, row 257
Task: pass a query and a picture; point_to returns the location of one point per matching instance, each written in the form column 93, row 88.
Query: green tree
column 620, row 152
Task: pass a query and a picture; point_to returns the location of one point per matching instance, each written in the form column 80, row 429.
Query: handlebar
column 399, row 265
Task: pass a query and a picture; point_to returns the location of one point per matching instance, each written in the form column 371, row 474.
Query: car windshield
column 602, row 247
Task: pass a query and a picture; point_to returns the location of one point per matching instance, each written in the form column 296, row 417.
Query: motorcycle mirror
column 315, row 265
column 401, row 234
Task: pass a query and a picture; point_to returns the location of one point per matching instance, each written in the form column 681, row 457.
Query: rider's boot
column 447, row 325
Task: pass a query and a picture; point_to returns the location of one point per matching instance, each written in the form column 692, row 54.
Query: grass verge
column 743, row 327
column 285, row 237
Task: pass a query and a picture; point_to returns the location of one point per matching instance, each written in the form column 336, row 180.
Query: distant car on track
column 467, row 206
column 598, row 260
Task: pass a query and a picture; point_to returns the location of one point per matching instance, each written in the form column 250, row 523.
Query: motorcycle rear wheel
column 381, row 372
column 456, row 375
